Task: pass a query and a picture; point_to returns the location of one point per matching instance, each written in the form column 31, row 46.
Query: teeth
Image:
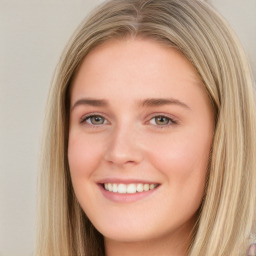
column 151, row 186
column 115, row 188
column 121, row 188
column 128, row 188
column 146, row 187
column 131, row 188
column 139, row 187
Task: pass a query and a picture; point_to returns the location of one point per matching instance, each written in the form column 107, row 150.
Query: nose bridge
column 123, row 145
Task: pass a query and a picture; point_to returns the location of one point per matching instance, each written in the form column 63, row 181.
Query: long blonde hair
column 205, row 39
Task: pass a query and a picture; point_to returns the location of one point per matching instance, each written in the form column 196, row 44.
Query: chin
column 140, row 231
column 127, row 232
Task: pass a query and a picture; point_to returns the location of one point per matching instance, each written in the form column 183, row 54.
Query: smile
column 128, row 188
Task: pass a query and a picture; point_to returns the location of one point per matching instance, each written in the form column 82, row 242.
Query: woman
column 149, row 137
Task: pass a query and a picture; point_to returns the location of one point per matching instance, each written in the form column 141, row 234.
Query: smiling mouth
column 128, row 188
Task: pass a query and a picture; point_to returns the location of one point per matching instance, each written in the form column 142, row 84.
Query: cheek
column 180, row 154
column 183, row 160
column 83, row 156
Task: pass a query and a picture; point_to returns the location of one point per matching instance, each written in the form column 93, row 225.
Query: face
column 141, row 128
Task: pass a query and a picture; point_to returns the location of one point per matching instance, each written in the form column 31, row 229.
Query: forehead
column 139, row 66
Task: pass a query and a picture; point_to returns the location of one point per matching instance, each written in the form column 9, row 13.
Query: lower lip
column 128, row 197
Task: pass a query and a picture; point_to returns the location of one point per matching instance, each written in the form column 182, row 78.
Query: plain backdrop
column 32, row 36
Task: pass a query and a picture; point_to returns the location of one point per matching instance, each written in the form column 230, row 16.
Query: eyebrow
column 90, row 102
column 153, row 102
column 163, row 101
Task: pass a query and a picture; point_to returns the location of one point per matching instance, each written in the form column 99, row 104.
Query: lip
column 126, row 181
column 128, row 197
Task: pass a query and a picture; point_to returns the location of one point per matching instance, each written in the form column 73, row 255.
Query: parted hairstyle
column 194, row 28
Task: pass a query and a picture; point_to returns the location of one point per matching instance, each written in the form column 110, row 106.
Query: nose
column 124, row 147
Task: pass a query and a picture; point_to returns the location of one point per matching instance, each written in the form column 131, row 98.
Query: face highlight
column 141, row 129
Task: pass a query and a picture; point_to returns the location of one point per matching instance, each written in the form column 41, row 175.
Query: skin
column 128, row 142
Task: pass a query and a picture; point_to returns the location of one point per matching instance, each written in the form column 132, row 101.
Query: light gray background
column 33, row 34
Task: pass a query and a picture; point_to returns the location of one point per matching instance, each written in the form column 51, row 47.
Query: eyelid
column 86, row 116
column 173, row 120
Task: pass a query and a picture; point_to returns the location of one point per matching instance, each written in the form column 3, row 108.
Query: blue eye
column 161, row 120
column 94, row 120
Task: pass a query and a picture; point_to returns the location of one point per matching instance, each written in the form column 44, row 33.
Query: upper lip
column 126, row 181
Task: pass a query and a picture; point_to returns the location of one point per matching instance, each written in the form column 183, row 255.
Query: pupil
column 98, row 119
column 162, row 120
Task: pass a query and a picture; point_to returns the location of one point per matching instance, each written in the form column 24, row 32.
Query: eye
column 94, row 120
column 161, row 121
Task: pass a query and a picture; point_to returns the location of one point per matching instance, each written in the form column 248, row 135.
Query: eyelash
column 87, row 117
column 171, row 121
